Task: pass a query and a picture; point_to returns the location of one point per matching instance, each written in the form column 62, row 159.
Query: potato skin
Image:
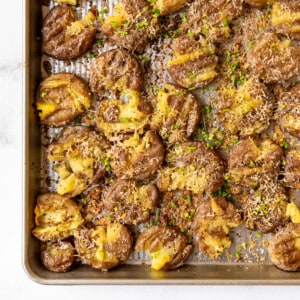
column 68, row 94
column 58, row 256
column 256, row 3
column 284, row 248
column 130, row 203
column 116, row 70
column 95, row 249
column 157, row 238
column 56, row 217
column 56, row 41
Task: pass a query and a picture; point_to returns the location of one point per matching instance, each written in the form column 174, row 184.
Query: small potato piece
column 292, row 169
column 65, row 38
column 265, row 208
column 131, row 26
column 178, row 209
column 130, row 203
column 167, row 247
column 116, row 71
column 288, row 113
column 212, row 18
column 285, row 18
column 193, row 167
column 284, row 248
column 56, row 217
column 138, row 157
column 82, row 159
column 167, row 7
column 193, row 63
column 105, row 246
column 251, row 161
column 214, row 219
column 116, row 117
column 58, row 256
column 246, row 110
column 176, row 114
column 61, row 98
column 272, row 60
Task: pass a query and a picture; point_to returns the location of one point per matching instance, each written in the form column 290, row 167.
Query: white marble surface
column 13, row 282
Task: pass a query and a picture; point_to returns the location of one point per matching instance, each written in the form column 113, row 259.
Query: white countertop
column 14, row 283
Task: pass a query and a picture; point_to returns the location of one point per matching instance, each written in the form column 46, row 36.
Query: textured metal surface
column 254, row 269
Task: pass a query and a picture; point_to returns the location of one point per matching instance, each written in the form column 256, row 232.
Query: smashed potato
column 265, row 208
column 130, row 203
column 214, row 219
column 64, row 37
column 251, row 161
column 116, row 70
column 105, row 246
column 56, row 217
column 82, row 159
column 284, row 248
column 167, row 247
column 116, row 117
column 176, row 114
column 246, row 110
column 61, row 98
column 138, row 157
column 193, row 64
column 292, row 169
column 191, row 166
column 58, row 256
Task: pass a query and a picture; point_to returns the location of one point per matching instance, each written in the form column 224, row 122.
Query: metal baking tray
column 201, row 272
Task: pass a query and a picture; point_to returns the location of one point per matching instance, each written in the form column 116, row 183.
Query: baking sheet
column 253, row 268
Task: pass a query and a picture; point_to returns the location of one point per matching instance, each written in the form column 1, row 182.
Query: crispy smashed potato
column 116, row 71
column 116, row 117
column 273, row 60
column 58, row 256
column 264, row 208
column 292, row 169
column 288, row 114
column 131, row 26
column 56, row 217
column 191, row 166
column 178, row 208
column 65, row 38
column 61, row 98
column 246, row 110
column 130, row 203
column 214, row 219
column 105, row 246
column 286, row 18
column 138, row 157
column 81, row 157
column 167, row 247
column 176, row 114
column 193, row 64
column 284, row 248
column 251, row 161
column 212, row 18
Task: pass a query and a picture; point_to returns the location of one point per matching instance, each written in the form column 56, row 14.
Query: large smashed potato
column 214, row 219
column 56, row 217
column 64, row 37
column 103, row 247
column 284, row 248
column 193, row 167
column 82, row 159
column 176, row 114
column 61, row 98
column 166, row 245
column 130, row 203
